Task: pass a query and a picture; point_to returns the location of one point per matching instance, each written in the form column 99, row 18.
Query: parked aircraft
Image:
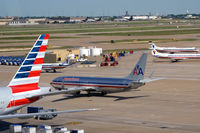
column 174, row 57
column 23, row 89
column 105, row 85
column 173, row 49
column 54, row 66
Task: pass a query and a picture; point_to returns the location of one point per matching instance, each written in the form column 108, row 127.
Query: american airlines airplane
column 174, row 57
column 23, row 89
column 105, row 85
column 173, row 49
column 54, row 66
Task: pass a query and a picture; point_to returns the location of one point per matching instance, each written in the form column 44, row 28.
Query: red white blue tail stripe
column 27, row 76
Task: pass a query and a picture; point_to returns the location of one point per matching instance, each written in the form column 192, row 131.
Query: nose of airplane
column 51, row 83
column 54, row 84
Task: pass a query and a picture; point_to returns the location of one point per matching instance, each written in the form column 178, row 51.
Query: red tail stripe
column 34, row 73
column 46, row 36
column 23, row 89
column 25, row 85
column 22, row 101
column 39, row 60
column 43, row 48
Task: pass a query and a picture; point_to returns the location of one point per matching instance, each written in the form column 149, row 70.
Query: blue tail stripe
column 29, row 62
column 24, row 69
column 42, row 36
column 32, row 56
column 38, row 43
column 35, row 49
column 22, row 75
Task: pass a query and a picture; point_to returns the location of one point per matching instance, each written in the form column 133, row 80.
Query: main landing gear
column 102, row 93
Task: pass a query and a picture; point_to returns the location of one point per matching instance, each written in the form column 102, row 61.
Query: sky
column 96, row 7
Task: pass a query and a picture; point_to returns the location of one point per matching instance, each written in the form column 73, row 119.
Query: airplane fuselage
column 178, row 56
column 99, row 84
column 5, row 98
column 53, row 67
column 174, row 49
column 11, row 101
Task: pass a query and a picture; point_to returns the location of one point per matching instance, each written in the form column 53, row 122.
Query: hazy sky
column 95, row 7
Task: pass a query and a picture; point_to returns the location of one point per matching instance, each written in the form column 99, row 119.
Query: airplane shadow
column 161, row 61
column 117, row 98
column 5, row 125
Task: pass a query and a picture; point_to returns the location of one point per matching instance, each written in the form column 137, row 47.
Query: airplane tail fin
column 153, row 45
column 137, row 73
column 27, row 76
column 66, row 62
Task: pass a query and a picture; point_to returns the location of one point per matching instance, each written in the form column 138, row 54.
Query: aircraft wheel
column 174, row 61
column 103, row 93
column 77, row 93
column 89, row 94
column 54, row 70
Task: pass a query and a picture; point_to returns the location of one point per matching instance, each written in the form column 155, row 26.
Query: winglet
column 151, row 75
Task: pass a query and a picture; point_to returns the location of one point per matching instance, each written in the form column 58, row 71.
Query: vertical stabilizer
column 137, row 73
column 153, row 46
column 28, row 75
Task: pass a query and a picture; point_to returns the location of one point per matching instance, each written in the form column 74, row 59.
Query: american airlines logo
column 154, row 51
column 138, row 70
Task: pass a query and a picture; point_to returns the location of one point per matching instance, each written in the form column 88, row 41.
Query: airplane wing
column 150, row 80
column 30, row 115
column 178, row 58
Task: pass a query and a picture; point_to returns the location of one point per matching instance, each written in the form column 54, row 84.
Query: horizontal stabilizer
column 150, row 80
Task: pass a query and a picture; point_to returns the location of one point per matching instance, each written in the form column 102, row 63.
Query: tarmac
column 169, row 105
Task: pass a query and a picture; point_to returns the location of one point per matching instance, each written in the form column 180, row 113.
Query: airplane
column 105, row 85
column 53, row 66
column 173, row 49
column 174, row 57
column 23, row 89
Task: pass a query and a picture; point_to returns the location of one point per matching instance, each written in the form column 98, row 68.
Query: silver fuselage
column 108, row 85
